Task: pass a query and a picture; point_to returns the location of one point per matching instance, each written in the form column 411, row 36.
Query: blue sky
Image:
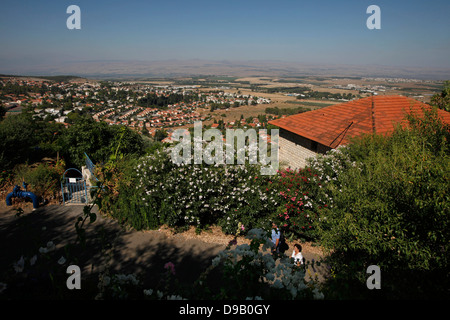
column 413, row 33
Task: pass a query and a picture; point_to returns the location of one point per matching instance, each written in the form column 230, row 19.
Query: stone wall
column 295, row 149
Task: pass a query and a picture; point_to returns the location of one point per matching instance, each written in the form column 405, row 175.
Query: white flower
column 43, row 250
column 174, row 297
column 62, row 260
column 18, row 266
column 2, row 287
column 50, row 246
column 106, row 280
column 253, row 298
column 216, row 261
column 318, row 295
column 132, row 278
column 148, row 292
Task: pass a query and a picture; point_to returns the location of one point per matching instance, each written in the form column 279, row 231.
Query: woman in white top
column 297, row 255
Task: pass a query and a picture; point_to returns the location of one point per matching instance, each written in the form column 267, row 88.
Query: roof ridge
column 373, row 114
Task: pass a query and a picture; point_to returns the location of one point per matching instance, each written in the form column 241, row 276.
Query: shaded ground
column 107, row 245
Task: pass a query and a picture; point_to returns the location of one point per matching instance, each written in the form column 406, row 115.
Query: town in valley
column 156, row 107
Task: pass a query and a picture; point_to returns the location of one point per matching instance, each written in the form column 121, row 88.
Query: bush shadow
column 108, row 246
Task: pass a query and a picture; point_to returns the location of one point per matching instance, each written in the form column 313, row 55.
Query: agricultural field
column 281, row 91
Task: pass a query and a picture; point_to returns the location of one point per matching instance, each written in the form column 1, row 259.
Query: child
column 297, row 255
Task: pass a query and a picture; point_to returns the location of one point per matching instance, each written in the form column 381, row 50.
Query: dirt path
column 124, row 251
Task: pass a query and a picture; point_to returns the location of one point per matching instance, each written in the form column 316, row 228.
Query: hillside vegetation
column 380, row 201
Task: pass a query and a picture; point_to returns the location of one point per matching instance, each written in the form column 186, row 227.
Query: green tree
column 18, row 140
column 97, row 139
column 391, row 208
column 74, row 116
column 442, row 100
column 2, row 111
column 160, row 135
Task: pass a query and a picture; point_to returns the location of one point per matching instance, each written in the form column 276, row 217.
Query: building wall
column 295, row 149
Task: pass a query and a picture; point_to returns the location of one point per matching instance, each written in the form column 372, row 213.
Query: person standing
column 275, row 238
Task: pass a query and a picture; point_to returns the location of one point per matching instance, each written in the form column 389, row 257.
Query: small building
column 307, row 134
column 14, row 110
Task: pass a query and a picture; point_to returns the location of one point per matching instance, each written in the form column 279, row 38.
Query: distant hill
column 61, row 78
column 126, row 69
column 57, row 78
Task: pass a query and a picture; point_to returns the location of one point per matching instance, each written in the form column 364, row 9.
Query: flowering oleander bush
column 157, row 191
column 151, row 191
column 328, row 167
column 304, row 194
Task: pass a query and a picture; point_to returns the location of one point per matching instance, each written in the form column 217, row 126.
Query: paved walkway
column 124, row 251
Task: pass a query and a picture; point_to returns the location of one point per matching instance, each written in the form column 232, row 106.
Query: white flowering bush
column 179, row 195
column 118, row 286
column 331, row 165
column 153, row 190
column 36, row 273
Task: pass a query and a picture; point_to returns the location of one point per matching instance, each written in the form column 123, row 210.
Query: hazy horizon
column 143, row 35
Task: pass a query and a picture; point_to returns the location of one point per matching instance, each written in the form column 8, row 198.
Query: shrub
column 154, row 191
column 392, row 210
column 302, row 199
column 246, row 271
column 99, row 140
column 17, row 140
column 251, row 271
column 43, row 179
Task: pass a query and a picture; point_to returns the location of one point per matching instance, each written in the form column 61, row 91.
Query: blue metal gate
column 73, row 187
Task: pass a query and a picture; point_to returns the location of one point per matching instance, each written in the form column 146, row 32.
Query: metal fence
column 73, row 187
column 90, row 165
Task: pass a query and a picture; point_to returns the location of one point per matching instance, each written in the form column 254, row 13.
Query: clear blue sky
column 413, row 33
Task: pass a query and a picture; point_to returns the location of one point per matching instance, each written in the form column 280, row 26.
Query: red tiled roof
column 334, row 125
